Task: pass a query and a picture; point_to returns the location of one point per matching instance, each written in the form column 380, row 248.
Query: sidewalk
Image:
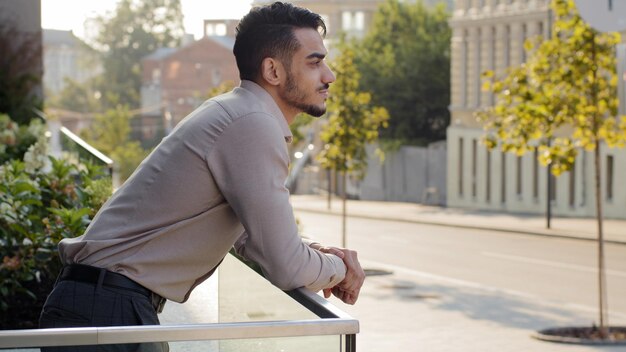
column 579, row 228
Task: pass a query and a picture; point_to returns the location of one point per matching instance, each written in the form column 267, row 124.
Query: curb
column 460, row 226
column 552, row 335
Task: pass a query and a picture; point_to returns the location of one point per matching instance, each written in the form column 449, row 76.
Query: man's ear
column 272, row 71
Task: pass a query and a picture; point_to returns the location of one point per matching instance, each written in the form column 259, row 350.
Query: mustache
column 325, row 86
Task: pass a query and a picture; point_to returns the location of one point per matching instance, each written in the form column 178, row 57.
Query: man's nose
column 329, row 76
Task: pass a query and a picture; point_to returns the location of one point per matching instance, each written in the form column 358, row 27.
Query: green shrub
column 42, row 200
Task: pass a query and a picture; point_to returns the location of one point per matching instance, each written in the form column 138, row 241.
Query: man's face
column 308, row 79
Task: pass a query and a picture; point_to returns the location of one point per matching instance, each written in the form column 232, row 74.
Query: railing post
column 54, row 127
column 350, row 343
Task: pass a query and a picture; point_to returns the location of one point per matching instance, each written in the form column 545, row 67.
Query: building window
column 359, row 20
column 477, row 85
column 488, row 178
column 503, row 177
column 216, row 29
column 216, row 76
column 156, row 76
column 572, row 186
column 507, row 46
column 464, row 73
column 474, row 166
column 518, row 176
column 351, row 21
column 174, row 67
column 524, row 37
column 492, row 62
column 535, row 174
column 461, row 166
column 609, row 177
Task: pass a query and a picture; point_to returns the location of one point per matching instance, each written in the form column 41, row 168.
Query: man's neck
column 288, row 111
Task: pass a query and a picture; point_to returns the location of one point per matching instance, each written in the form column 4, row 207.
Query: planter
column 583, row 335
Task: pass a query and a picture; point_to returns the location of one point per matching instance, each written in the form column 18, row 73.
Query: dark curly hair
column 268, row 31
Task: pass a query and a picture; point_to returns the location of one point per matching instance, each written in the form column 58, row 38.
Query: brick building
column 177, row 80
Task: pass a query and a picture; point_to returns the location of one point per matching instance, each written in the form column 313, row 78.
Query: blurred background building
column 177, row 80
column 352, row 17
column 66, row 57
column 490, row 35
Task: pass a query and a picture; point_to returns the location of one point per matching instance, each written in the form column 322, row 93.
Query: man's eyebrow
column 316, row 55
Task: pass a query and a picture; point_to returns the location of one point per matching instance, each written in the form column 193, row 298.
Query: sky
column 71, row 14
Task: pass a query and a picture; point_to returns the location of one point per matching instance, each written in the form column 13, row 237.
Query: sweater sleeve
column 250, row 164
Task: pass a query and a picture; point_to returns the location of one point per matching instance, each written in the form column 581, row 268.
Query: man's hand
column 348, row 289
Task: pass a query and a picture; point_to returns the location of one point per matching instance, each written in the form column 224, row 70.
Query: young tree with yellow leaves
column 561, row 101
column 352, row 123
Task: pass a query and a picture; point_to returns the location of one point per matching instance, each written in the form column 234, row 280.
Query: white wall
column 406, row 175
column 526, row 201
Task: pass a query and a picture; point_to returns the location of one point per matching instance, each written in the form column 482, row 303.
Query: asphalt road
column 554, row 269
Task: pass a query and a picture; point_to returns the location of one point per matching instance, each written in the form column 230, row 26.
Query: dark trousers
column 80, row 304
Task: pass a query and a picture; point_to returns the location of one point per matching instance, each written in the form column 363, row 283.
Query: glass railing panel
column 283, row 344
column 236, row 310
column 246, row 296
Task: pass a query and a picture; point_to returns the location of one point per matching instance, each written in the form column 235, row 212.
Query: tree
column 563, row 99
column 353, row 121
column 110, row 134
column 301, row 121
column 136, row 29
column 404, row 62
column 76, row 97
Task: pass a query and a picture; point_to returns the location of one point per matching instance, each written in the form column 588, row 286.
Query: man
column 215, row 182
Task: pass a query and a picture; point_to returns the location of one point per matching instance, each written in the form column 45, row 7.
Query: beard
column 295, row 97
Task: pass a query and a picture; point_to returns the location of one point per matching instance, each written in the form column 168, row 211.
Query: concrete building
column 65, row 56
column 489, row 35
column 350, row 16
column 353, row 17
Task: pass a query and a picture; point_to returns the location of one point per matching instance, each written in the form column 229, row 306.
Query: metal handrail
column 81, row 143
column 172, row 333
column 93, row 151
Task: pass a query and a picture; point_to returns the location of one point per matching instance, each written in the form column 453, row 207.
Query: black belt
column 90, row 274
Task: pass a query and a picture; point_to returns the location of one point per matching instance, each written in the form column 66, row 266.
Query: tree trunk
column 329, row 189
column 549, row 198
column 601, row 266
column 602, row 293
column 343, row 212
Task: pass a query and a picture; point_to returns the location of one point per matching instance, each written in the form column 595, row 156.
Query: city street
column 472, row 290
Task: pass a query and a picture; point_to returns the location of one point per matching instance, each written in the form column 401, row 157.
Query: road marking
column 528, row 260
